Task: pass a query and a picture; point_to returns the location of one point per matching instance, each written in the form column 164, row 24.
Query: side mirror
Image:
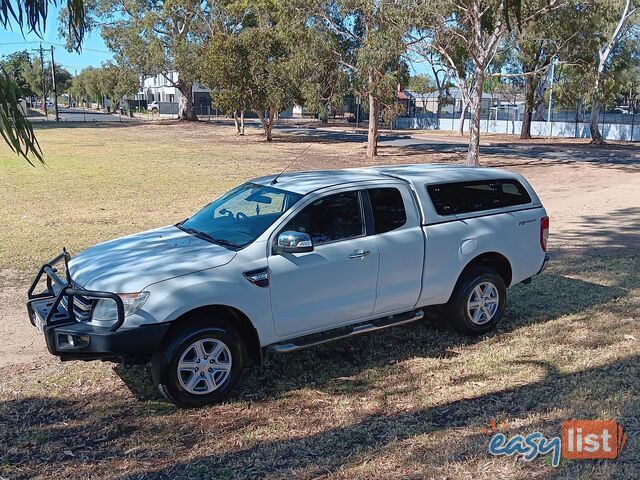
column 293, row 242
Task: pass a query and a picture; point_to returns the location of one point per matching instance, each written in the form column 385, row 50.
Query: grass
column 409, row 402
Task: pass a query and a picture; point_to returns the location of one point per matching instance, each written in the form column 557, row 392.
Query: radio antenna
column 275, row 180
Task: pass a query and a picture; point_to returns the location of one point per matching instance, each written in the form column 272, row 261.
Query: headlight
column 105, row 312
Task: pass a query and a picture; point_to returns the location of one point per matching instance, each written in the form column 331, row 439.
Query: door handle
column 359, row 254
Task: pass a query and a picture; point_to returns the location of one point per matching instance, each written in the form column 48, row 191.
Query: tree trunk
column 529, row 105
column 579, row 110
column 439, row 109
column 236, row 121
column 185, row 107
column 267, row 123
column 463, row 117
column 596, row 136
column 372, row 138
column 242, row 122
column 476, row 111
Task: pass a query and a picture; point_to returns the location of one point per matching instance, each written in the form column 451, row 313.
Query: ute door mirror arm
column 293, row 242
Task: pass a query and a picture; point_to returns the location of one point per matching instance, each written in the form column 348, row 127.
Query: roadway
column 77, row 115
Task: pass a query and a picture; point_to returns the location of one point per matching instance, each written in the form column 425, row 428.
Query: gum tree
column 372, row 38
column 252, row 67
column 225, row 70
column 266, row 59
column 615, row 23
column 561, row 34
column 155, row 38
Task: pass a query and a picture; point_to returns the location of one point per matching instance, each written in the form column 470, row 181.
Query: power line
column 31, row 42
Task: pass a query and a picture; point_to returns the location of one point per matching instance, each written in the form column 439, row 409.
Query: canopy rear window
column 478, row 195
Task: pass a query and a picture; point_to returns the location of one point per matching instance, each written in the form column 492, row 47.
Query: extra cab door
column 336, row 282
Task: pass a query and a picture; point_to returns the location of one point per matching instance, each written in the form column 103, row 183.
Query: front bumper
column 72, row 338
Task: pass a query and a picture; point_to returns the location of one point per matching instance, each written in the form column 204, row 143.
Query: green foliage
column 371, row 40
column 14, row 127
column 155, row 38
column 13, row 64
column 111, row 81
column 422, row 84
column 251, row 70
column 225, row 70
column 151, row 37
column 322, row 80
column 32, row 72
column 268, row 60
column 30, row 15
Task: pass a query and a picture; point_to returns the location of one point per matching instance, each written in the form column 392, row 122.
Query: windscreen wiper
column 206, row 236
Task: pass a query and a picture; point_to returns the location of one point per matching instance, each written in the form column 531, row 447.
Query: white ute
column 285, row 262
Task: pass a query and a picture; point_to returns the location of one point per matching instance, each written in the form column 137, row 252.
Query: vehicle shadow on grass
column 43, row 436
column 455, row 426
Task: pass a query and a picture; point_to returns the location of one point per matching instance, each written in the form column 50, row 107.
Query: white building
column 159, row 88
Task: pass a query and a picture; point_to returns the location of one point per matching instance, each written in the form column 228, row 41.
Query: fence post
column 506, row 121
column 454, row 116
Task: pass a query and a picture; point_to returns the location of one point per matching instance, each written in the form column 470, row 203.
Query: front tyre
column 478, row 302
column 199, row 364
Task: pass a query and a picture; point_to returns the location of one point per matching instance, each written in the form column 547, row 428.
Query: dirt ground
column 409, row 402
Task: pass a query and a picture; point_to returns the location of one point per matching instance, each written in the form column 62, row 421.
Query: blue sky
column 94, row 51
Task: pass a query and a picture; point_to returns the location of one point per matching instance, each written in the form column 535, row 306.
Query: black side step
column 344, row 332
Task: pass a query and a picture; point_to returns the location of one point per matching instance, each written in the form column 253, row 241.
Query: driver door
column 336, row 282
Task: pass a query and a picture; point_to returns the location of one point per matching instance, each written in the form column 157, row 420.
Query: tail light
column 544, row 232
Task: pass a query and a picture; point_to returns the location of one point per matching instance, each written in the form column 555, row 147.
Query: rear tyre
column 478, row 302
column 200, row 363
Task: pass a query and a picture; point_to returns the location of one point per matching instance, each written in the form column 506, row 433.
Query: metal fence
column 615, row 123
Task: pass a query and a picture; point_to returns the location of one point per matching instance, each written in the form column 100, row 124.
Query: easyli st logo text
column 581, row 439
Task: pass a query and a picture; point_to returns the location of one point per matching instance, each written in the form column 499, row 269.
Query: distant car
column 286, row 262
column 623, row 110
column 153, row 107
column 50, row 104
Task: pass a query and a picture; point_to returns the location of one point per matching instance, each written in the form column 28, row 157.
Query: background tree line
column 30, row 75
column 265, row 56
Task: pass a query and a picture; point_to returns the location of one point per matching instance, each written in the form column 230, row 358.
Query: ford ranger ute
column 286, row 262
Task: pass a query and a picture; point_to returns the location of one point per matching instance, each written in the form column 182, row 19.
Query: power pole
column 55, row 89
column 44, row 83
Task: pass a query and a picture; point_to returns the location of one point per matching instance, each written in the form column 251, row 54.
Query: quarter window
column 332, row 218
column 465, row 197
column 388, row 209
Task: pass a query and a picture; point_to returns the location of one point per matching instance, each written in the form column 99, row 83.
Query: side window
column 388, row 209
column 464, row 197
column 335, row 217
column 513, row 193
